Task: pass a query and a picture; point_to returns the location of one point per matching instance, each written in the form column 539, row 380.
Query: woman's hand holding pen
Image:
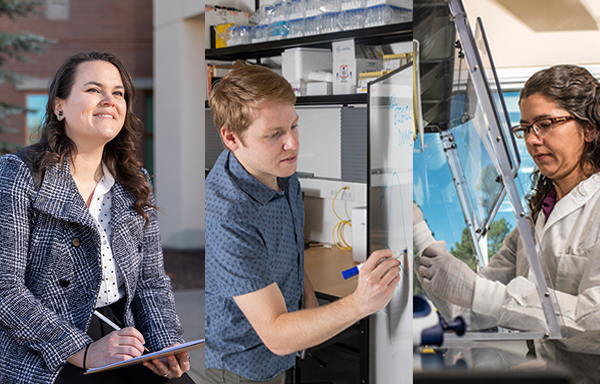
column 177, row 365
column 115, row 347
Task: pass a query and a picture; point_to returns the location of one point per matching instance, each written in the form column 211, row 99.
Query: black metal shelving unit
column 355, row 98
column 386, row 34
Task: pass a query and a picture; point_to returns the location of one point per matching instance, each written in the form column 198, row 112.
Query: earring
column 60, row 116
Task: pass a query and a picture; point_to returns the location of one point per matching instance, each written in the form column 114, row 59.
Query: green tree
column 498, row 231
column 20, row 47
column 464, row 251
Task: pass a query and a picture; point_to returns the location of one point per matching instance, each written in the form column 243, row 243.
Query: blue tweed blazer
column 50, row 272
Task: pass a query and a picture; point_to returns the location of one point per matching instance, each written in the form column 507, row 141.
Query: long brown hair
column 119, row 154
column 575, row 90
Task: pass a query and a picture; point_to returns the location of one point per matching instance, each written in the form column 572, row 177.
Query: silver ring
column 166, row 374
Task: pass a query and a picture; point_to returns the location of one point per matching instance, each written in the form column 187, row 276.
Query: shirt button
column 64, row 283
column 76, row 242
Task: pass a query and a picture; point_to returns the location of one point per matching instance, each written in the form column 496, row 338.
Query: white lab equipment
column 359, row 234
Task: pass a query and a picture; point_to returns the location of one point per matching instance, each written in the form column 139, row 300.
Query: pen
column 111, row 324
column 348, row 273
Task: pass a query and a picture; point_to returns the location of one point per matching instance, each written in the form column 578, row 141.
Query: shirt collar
column 106, row 182
column 250, row 184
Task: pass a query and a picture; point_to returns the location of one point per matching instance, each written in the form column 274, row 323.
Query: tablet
column 186, row 347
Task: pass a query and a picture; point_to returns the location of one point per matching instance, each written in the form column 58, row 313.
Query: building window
column 36, row 103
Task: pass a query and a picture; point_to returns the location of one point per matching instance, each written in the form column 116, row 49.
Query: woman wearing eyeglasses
column 560, row 120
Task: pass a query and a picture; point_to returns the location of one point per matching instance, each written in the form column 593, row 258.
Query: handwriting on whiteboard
column 405, row 138
column 401, row 114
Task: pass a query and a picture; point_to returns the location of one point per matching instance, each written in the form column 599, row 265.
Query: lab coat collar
column 573, row 200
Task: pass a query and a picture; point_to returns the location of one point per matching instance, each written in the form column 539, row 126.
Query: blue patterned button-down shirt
column 254, row 238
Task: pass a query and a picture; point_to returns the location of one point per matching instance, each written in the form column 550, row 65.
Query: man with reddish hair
column 260, row 304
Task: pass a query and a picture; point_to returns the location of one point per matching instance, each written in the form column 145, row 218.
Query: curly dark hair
column 119, row 154
column 575, row 90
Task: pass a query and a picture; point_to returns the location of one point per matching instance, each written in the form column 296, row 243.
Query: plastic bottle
column 244, row 32
column 330, row 22
column 279, row 27
column 330, row 6
column 312, row 25
column 312, row 8
column 232, row 37
column 348, row 5
column 295, row 10
column 353, row 19
column 402, row 15
column 296, row 17
column 374, row 16
column 259, row 33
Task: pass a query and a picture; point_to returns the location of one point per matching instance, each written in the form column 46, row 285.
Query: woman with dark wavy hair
column 79, row 236
column 560, row 123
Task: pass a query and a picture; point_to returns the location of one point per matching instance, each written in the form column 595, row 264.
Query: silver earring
column 60, row 116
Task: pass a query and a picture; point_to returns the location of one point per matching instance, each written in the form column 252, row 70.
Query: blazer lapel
column 122, row 208
column 58, row 196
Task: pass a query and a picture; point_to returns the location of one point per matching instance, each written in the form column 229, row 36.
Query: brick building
column 161, row 41
column 122, row 27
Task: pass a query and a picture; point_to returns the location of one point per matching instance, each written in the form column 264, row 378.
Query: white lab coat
column 568, row 243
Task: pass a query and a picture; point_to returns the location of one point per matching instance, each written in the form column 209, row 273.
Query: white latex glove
column 422, row 237
column 446, row 277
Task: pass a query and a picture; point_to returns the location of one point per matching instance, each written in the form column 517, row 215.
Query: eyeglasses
column 540, row 127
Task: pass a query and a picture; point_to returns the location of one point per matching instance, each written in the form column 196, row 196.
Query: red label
column 343, row 71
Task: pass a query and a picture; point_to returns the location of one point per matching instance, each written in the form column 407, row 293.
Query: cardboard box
column 347, row 65
column 215, row 15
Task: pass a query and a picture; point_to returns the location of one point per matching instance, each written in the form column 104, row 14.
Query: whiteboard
column 390, row 219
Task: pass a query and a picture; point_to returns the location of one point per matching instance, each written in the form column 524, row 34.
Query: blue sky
column 435, row 192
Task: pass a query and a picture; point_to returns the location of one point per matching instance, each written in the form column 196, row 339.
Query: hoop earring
column 60, row 116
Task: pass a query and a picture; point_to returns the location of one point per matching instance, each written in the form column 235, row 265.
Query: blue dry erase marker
column 348, row 273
